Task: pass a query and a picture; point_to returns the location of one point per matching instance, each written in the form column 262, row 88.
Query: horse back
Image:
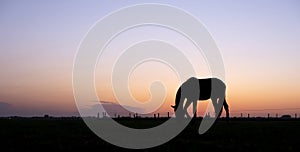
column 206, row 88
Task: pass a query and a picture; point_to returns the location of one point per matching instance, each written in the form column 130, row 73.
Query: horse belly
column 205, row 94
column 205, row 89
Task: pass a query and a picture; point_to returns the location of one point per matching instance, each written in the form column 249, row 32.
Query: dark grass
column 53, row 134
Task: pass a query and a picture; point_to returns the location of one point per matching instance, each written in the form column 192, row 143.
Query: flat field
column 65, row 134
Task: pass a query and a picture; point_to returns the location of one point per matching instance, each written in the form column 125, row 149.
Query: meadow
column 62, row 134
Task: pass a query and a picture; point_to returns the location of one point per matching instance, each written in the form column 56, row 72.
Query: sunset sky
column 259, row 42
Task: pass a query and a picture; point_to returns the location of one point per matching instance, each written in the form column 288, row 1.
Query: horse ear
column 173, row 107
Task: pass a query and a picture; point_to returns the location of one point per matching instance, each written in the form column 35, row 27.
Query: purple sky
column 259, row 41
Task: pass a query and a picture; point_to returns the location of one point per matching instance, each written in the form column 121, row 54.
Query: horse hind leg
column 217, row 106
column 220, row 106
column 226, row 107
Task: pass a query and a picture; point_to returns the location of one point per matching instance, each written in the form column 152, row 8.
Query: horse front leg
column 195, row 108
column 186, row 105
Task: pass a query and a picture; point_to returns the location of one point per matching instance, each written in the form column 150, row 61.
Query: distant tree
column 286, row 117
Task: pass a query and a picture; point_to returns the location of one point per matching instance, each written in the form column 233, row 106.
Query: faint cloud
column 5, row 108
column 112, row 109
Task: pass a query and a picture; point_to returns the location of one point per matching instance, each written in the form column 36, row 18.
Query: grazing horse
column 200, row 89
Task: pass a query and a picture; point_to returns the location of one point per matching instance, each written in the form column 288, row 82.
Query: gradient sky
column 259, row 41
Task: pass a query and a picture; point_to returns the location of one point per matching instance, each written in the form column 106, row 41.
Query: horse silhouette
column 200, row 89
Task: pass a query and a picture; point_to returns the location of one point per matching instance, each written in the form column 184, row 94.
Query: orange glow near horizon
column 260, row 56
column 242, row 96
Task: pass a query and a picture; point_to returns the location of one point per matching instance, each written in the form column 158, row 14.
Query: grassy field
column 38, row 134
